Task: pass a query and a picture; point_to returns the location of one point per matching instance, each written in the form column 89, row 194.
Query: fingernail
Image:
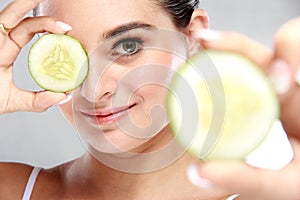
column 232, row 197
column 207, row 34
column 280, row 75
column 63, row 26
column 195, row 178
column 66, row 100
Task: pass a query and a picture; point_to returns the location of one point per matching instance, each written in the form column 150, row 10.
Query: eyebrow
column 125, row 28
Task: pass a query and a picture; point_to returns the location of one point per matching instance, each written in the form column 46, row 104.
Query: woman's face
column 132, row 47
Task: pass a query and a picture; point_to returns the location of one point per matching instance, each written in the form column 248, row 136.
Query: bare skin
column 86, row 177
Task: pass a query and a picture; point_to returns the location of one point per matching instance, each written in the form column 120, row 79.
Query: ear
column 199, row 20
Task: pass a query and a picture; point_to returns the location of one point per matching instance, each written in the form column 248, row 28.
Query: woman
column 118, row 29
column 122, row 34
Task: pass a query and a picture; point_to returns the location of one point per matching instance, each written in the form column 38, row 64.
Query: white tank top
column 31, row 182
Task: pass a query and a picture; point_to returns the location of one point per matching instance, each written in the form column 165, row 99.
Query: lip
column 108, row 116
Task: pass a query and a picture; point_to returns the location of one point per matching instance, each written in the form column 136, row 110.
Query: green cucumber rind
column 34, row 76
column 274, row 97
column 181, row 70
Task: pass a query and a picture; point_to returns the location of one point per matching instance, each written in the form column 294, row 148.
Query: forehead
column 91, row 18
column 106, row 11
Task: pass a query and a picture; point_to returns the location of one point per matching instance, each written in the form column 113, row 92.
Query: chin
column 112, row 141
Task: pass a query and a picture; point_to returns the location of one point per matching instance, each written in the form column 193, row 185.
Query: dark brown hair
column 179, row 10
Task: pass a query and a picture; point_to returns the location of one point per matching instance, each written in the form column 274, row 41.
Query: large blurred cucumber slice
column 235, row 108
column 58, row 63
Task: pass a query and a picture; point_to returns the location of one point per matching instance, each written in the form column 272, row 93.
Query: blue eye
column 127, row 47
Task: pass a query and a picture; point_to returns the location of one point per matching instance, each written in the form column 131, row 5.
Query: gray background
column 46, row 139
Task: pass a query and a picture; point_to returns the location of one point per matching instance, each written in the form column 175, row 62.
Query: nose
column 95, row 90
column 101, row 84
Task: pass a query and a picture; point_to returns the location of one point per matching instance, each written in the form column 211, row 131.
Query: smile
column 107, row 117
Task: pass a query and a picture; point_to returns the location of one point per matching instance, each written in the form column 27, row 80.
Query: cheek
column 151, row 82
column 167, row 59
column 152, row 92
column 68, row 112
column 155, row 79
column 153, row 97
column 151, row 112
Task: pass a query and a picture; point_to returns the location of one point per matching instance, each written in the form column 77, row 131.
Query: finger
column 290, row 111
column 250, row 182
column 16, row 10
column 28, row 27
column 23, row 33
column 235, row 42
column 287, row 43
column 286, row 59
column 35, row 101
column 296, row 149
column 287, row 52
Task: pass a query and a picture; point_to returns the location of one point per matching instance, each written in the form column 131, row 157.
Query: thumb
column 250, row 182
column 39, row 101
column 231, row 175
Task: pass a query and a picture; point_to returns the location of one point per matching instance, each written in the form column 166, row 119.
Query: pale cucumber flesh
column 58, row 63
column 235, row 107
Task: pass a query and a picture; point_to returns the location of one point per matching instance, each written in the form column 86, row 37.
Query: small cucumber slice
column 230, row 110
column 58, row 63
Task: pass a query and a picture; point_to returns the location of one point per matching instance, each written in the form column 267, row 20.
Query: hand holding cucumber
column 282, row 64
column 15, row 33
column 238, row 177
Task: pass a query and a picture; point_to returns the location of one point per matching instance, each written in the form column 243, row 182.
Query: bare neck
column 93, row 176
column 134, row 178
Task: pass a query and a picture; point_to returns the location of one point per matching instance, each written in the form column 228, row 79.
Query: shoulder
column 51, row 182
column 13, row 178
